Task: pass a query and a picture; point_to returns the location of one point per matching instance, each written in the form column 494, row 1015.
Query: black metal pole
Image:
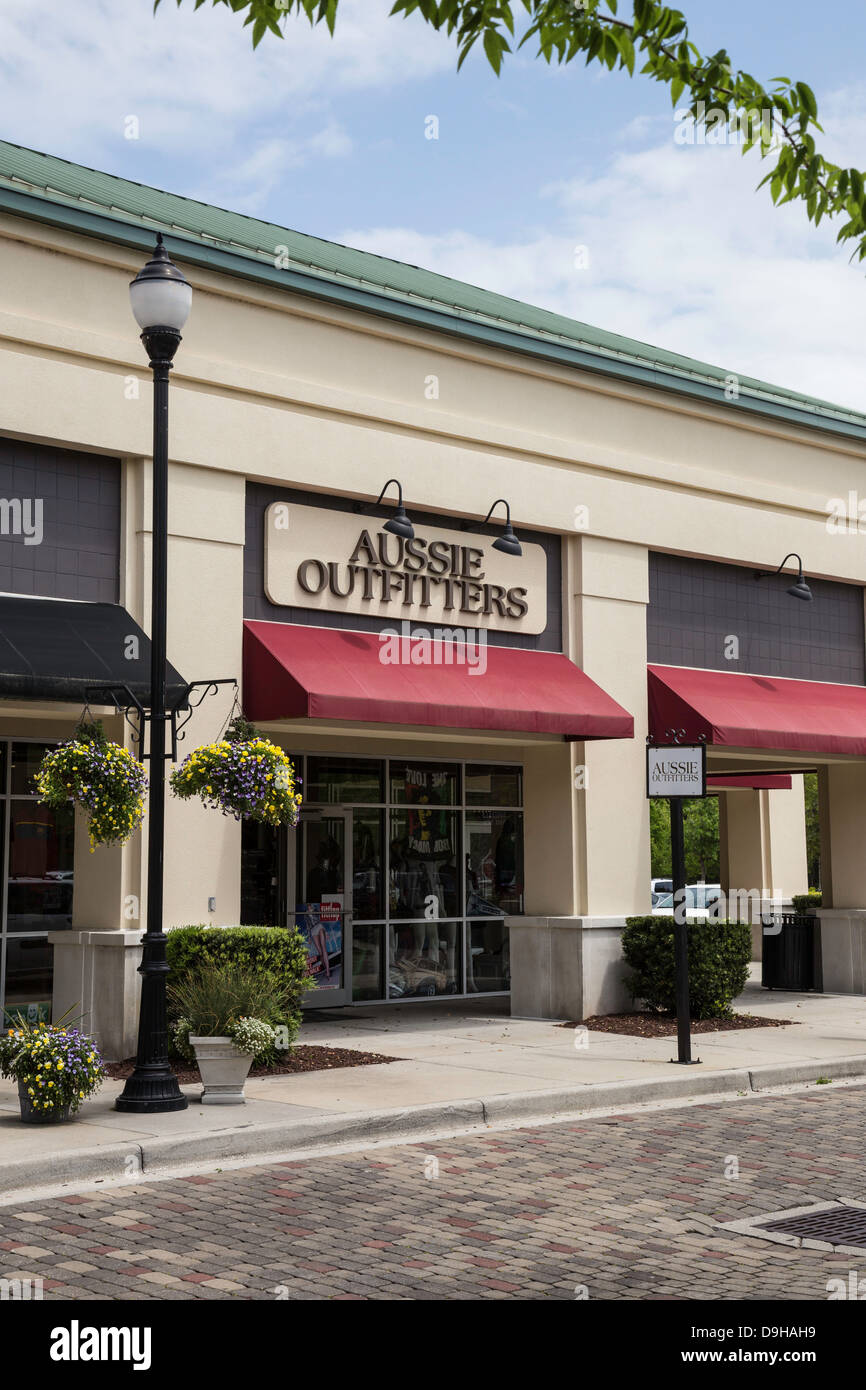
column 681, row 938
column 153, row 1085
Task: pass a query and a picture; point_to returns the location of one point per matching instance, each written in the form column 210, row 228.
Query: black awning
column 52, row 649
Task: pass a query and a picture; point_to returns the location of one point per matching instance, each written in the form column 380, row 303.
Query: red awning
column 293, row 672
column 741, row 711
column 754, row 781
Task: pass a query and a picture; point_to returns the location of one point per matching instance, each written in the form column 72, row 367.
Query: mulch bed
column 300, row 1059
column 646, row 1025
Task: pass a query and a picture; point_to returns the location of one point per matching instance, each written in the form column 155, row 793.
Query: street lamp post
column 161, row 299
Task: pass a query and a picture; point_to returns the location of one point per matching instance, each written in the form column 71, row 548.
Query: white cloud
column 203, row 98
column 683, row 253
column 686, row 255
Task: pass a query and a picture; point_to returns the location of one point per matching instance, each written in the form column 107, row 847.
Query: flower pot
column 223, row 1070
column 30, row 1116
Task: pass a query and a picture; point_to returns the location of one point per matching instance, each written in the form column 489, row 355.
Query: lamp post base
column 149, row 1092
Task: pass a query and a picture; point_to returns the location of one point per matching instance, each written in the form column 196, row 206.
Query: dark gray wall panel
column 79, row 557
column 696, row 604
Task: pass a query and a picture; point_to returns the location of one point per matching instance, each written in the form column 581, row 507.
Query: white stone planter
column 223, row 1070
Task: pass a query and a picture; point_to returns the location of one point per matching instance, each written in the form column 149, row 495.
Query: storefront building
column 469, row 722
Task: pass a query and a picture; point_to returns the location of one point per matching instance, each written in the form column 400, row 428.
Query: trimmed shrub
column 806, row 902
column 719, row 956
column 276, row 952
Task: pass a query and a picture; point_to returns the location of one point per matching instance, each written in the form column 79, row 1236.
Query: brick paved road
column 623, row 1206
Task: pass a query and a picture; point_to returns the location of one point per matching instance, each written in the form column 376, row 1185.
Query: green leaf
column 807, row 98
column 493, row 46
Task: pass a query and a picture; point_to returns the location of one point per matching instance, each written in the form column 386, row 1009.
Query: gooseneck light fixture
column 507, row 542
column 398, row 524
column 161, row 298
column 799, row 589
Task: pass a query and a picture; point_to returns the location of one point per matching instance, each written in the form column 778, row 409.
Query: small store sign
column 676, row 770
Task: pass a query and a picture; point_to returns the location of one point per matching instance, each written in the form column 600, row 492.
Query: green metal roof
column 54, row 190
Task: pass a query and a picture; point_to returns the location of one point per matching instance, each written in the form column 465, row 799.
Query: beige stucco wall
column 272, row 386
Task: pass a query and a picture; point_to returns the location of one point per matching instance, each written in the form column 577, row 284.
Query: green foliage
column 700, row 835
column 813, row 828
column 250, row 959
column 806, row 902
column 240, row 730
column 219, row 1000
column 778, row 119
column 660, row 837
column 719, row 955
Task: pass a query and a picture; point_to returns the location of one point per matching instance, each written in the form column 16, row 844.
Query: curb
column 408, row 1125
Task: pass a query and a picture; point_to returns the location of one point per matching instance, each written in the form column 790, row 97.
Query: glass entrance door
column 323, row 914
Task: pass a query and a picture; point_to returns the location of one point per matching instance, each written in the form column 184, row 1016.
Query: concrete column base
column 96, row 977
column 567, row 967
column 843, row 949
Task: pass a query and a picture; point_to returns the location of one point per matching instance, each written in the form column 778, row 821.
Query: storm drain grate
column 838, row 1225
column 821, row 1225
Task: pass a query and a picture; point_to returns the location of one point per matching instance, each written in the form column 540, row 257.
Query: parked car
column 658, row 888
column 699, row 899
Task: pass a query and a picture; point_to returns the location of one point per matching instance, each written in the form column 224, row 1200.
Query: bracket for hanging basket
column 177, row 715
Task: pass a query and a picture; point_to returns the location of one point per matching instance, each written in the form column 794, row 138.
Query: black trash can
column 789, row 946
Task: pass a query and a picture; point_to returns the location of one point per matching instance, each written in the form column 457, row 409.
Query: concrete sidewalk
column 463, row 1066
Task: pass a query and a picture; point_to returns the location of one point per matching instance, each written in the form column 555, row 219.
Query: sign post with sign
column 677, row 771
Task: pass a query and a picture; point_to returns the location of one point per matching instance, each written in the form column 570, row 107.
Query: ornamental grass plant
column 102, row 777
column 248, row 1003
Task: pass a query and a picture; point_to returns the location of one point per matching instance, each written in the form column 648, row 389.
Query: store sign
column 674, row 770
column 343, row 562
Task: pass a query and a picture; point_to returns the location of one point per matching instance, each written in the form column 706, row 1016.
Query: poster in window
column 321, row 925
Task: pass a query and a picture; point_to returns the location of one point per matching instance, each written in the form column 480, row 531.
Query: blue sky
column 328, row 136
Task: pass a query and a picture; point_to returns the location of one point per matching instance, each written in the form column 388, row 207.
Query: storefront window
column 410, row 872
column 488, row 785
column 29, row 978
column 494, row 863
column 262, row 856
column 368, row 866
column 424, row 959
column 344, row 781
column 37, row 896
column 368, row 973
column 26, row 758
column 423, row 853
column 419, row 783
column 487, row 967
column 321, row 904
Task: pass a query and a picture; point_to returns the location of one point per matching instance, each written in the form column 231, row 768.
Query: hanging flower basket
column 244, row 775
column 106, row 781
